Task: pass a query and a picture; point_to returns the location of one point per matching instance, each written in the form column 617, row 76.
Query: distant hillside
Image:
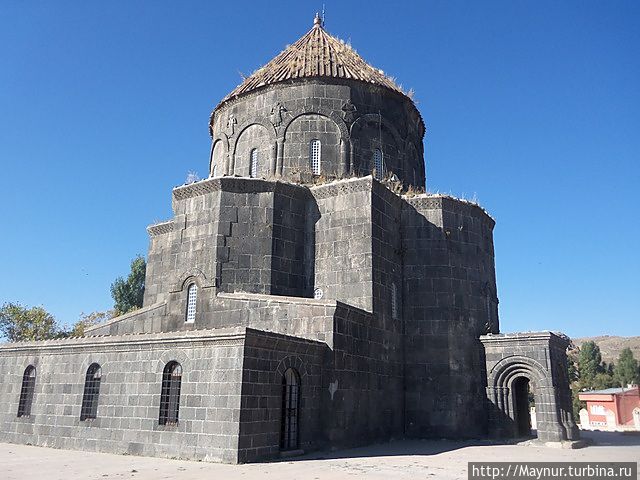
column 610, row 346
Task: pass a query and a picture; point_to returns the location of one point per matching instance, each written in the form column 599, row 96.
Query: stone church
column 307, row 295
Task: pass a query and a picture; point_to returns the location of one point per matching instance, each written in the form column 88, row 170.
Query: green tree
column 574, row 379
column 18, row 323
column 627, row 368
column 577, row 403
column 572, row 367
column 609, row 368
column 602, row 380
column 589, row 364
column 88, row 320
column 128, row 293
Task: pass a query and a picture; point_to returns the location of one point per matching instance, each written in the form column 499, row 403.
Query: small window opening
column 290, row 410
column 192, row 295
column 314, row 156
column 253, row 167
column 378, row 164
column 170, row 394
column 89, row 408
column 26, row 393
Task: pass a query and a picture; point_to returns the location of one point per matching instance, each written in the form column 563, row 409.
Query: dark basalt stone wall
column 350, row 118
column 449, row 301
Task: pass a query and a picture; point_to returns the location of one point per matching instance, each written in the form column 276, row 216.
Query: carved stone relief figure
column 231, row 125
column 349, row 111
column 276, row 114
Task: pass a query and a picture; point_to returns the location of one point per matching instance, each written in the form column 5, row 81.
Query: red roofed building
column 611, row 409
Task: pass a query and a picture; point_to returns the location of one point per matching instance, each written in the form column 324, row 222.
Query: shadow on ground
column 434, row 447
column 612, row 439
column 399, row 448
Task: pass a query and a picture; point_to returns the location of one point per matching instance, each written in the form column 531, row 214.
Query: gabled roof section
column 316, row 54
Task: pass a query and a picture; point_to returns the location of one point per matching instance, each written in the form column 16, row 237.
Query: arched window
column 378, row 164
column 192, row 295
column 290, row 409
column 314, row 156
column 394, row 301
column 91, row 392
column 253, row 167
column 26, row 393
column 170, row 394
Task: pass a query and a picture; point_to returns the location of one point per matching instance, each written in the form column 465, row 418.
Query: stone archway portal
column 515, row 362
column 520, row 388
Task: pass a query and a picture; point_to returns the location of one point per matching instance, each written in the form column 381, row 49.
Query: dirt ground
column 406, row 459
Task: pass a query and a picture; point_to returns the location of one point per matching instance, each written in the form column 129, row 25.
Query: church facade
column 307, row 295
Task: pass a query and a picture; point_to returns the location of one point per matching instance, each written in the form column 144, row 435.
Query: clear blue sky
column 531, row 107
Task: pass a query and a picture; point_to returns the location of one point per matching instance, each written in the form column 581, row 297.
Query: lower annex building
column 304, row 296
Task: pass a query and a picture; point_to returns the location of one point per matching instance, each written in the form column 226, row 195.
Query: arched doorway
column 523, row 398
column 516, row 384
column 290, row 410
column 519, row 387
column 526, row 369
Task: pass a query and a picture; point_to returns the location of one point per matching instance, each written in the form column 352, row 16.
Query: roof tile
column 315, row 54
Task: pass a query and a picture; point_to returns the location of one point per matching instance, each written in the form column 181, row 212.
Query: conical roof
column 316, row 54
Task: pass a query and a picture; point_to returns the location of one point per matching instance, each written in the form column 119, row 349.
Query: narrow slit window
column 26, row 393
column 92, row 380
column 170, row 394
column 378, row 164
column 394, row 301
column 314, row 156
column 253, row 167
column 290, row 410
column 192, row 295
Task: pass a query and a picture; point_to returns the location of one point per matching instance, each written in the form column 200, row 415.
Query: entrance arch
column 509, row 384
column 521, row 392
column 516, row 362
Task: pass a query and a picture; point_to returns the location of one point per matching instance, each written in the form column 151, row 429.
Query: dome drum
column 350, row 119
column 318, row 109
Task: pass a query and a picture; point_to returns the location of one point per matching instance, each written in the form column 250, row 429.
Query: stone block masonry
column 215, row 378
column 450, row 299
column 538, row 359
column 308, row 305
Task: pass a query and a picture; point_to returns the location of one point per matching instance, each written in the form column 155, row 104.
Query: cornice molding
column 234, row 185
column 342, row 187
column 160, row 228
column 128, row 342
column 448, row 204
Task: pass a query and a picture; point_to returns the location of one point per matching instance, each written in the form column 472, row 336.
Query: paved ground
column 398, row 460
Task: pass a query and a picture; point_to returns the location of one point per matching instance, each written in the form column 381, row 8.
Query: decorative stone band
column 327, row 190
column 222, row 337
column 160, row 228
column 233, row 184
column 342, row 187
column 504, row 338
column 221, row 109
column 424, row 202
column 427, row 201
column 198, row 188
column 188, row 339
